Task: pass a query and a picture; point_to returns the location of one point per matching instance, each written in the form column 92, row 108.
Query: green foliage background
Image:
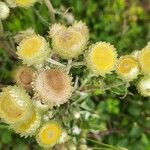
column 124, row 23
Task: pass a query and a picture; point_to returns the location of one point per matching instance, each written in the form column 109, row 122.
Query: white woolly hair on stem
column 51, row 10
column 1, row 29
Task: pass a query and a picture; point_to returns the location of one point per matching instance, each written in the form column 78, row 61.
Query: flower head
column 25, row 3
column 81, row 27
column 101, row 58
column 69, row 43
column 15, row 105
column 144, row 59
column 52, row 86
column 23, row 77
column 144, row 86
column 29, row 127
column 49, row 134
column 4, row 11
column 33, row 50
column 127, row 68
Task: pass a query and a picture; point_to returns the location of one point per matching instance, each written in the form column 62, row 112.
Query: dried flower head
column 81, row 27
column 4, row 11
column 49, row 134
column 127, row 68
column 101, row 58
column 144, row 59
column 52, row 86
column 29, row 127
column 69, row 43
column 23, row 77
column 144, row 86
column 15, row 105
column 33, row 50
column 25, row 3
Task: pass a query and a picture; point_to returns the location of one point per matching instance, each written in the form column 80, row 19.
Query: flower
column 49, row 134
column 25, row 3
column 4, row 11
column 101, row 58
column 82, row 27
column 127, row 68
column 23, row 76
column 29, row 127
column 144, row 59
column 33, row 50
column 55, row 28
column 69, row 43
column 52, row 86
column 15, row 105
column 144, row 86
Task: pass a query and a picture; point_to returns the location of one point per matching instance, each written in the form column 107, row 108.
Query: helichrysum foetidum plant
column 45, row 100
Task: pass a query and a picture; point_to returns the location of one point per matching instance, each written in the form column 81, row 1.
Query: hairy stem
column 51, row 10
column 1, row 29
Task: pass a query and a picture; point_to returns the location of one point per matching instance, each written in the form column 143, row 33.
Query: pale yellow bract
column 101, row 58
column 15, row 105
column 49, row 134
column 127, row 68
column 29, row 127
column 144, row 60
column 144, row 86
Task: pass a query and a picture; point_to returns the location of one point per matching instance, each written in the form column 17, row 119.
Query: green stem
column 4, row 127
column 51, row 10
column 102, row 144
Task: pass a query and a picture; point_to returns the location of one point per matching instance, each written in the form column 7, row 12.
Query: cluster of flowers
column 43, row 83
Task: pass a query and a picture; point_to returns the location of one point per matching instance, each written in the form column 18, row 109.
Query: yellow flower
column 101, row 58
column 82, row 27
column 144, row 86
column 15, row 105
column 144, row 59
column 49, row 134
column 52, row 86
column 69, row 43
column 25, row 3
column 29, row 127
column 33, row 50
column 127, row 68
column 23, row 76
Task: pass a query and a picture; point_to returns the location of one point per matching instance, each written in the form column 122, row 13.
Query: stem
column 1, row 29
column 102, row 144
column 51, row 10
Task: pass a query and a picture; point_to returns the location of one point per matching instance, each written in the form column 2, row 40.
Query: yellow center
column 30, row 47
column 11, row 109
column 68, row 39
column 126, row 65
column 50, row 133
column 23, row 2
column 103, row 58
column 145, row 61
